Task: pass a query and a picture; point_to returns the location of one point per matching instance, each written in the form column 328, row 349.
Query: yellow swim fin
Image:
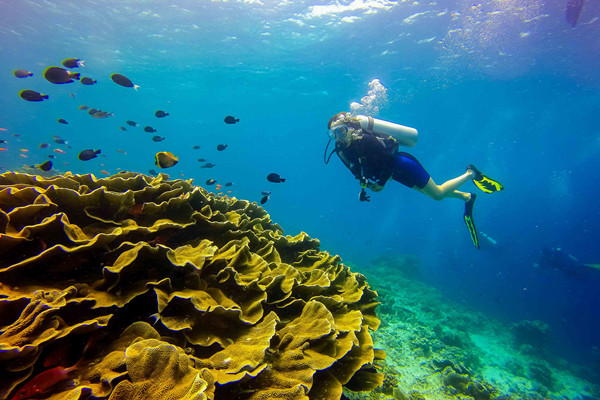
column 483, row 182
column 469, row 220
column 488, row 185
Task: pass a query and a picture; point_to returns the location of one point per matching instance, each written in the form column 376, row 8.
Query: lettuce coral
column 143, row 287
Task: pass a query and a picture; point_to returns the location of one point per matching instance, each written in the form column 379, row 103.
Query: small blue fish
column 86, row 155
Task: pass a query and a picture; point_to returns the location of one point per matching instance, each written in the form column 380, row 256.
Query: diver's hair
column 335, row 118
column 346, row 118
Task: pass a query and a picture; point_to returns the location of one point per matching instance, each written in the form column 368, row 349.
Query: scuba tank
column 406, row 136
column 489, row 238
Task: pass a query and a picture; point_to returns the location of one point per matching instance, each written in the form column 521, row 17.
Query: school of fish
column 68, row 73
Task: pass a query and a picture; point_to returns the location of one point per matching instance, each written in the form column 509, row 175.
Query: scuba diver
column 556, row 258
column 369, row 149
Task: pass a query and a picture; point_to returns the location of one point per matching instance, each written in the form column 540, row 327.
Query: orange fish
column 229, row 191
column 137, row 209
column 59, row 151
column 23, row 150
column 3, row 149
column 23, row 155
column 42, row 382
column 220, row 193
column 105, row 172
column 3, row 129
column 161, row 239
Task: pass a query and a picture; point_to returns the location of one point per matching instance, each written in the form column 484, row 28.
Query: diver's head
column 341, row 126
column 336, row 119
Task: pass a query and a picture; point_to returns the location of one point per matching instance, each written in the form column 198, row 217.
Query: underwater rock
column 457, row 381
column 462, row 383
column 390, row 383
column 452, row 337
column 541, row 372
column 440, row 365
column 157, row 286
column 532, row 334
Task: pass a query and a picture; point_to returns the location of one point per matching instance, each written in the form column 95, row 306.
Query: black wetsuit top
column 368, row 157
column 377, row 159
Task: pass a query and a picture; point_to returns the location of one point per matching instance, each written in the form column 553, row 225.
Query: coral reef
column 437, row 349
column 132, row 286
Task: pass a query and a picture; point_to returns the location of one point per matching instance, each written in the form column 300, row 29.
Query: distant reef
column 140, row 287
column 438, row 349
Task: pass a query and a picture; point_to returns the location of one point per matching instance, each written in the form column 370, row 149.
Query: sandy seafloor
column 424, row 335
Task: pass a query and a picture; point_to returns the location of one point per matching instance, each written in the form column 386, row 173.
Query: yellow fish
column 165, row 159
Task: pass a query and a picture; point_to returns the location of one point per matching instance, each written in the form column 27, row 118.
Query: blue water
column 509, row 86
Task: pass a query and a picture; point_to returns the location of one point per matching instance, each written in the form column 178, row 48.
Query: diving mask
column 338, row 132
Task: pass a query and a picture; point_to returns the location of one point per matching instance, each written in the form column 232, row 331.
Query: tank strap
column 370, row 124
column 363, row 180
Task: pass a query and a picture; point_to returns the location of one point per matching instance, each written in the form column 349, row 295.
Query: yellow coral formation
column 158, row 370
column 228, row 306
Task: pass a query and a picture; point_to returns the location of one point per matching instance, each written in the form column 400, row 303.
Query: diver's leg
column 448, row 188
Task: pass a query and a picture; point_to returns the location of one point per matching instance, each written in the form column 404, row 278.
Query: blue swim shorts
column 409, row 171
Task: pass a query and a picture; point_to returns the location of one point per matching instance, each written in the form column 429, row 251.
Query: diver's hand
column 363, row 196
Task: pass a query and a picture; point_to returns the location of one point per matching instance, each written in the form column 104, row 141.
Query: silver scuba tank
column 405, row 135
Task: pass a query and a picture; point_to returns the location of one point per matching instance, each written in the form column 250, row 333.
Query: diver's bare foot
column 471, row 200
column 475, row 173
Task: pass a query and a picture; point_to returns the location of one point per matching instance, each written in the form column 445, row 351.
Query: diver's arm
column 375, row 187
column 383, row 176
column 377, row 159
column 352, row 165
